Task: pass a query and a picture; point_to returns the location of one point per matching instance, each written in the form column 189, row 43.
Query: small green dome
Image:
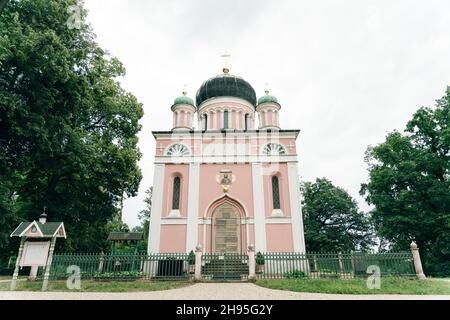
column 267, row 98
column 183, row 100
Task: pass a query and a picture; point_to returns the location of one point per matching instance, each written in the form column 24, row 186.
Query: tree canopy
column 68, row 131
column 332, row 220
column 409, row 185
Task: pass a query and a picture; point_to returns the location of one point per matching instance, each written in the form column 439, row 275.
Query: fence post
column 198, row 262
column 417, row 262
column 251, row 263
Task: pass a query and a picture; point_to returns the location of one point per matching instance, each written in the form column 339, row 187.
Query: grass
column 97, row 286
column 389, row 285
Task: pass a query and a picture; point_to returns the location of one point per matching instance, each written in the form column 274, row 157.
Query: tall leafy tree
column 332, row 220
column 3, row 4
column 144, row 215
column 409, row 184
column 68, row 131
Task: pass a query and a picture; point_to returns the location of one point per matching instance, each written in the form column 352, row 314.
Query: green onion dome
column 183, row 100
column 226, row 85
column 267, row 98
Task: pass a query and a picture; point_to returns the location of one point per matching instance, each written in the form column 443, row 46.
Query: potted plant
column 260, row 261
column 191, row 261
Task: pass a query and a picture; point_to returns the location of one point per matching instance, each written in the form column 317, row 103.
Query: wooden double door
column 226, row 229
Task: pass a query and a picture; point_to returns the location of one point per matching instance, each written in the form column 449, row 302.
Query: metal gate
column 224, row 266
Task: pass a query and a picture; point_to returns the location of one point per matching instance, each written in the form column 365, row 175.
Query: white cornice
column 226, row 159
column 201, row 135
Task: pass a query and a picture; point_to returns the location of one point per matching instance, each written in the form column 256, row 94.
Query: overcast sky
column 345, row 72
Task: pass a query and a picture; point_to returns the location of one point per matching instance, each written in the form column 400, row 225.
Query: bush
column 191, row 257
column 295, row 274
column 118, row 275
column 259, row 259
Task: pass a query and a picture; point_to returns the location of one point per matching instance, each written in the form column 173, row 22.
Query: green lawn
column 96, row 286
column 389, row 285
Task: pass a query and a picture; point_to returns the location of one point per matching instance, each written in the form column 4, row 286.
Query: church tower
column 230, row 182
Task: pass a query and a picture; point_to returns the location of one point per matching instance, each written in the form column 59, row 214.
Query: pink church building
column 226, row 174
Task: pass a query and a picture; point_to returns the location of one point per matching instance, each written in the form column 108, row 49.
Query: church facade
column 226, row 174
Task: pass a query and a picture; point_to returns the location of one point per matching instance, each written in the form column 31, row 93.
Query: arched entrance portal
column 226, row 229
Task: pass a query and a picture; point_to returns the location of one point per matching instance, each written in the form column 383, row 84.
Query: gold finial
column 184, row 90
column 226, row 62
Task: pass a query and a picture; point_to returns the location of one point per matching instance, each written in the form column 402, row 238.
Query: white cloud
column 345, row 72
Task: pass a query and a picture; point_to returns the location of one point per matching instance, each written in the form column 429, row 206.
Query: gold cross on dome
column 226, row 62
column 266, row 88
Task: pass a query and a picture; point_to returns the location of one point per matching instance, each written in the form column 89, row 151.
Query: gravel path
column 207, row 291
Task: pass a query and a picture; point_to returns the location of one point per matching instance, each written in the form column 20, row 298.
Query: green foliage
column 389, row 285
column 130, row 275
column 99, row 286
column 295, row 274
column 332, row 220
column 68, row 131
column 409, row 185
column 191, row 257
column 259, row 258
column 144, row 215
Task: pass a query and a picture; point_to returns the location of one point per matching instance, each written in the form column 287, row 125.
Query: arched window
column 206, row 122
column 273, row 149
column 225, row 119
column 176, row 193
column 177, row 150
column 246, row 121
column 275, row 192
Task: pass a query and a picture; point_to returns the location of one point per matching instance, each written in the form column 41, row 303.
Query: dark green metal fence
column 230, row 266
column 123, row 266
column 332, row 265
column 224, row 266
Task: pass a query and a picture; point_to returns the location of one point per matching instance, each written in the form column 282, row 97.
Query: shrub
column 259, row 259
column 119, row 275
column 191, row 257
column 295, row 274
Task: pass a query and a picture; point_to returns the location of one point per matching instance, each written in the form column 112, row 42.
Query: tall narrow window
column 246, row 121
column 176, row 193
column 225, row 119
column 275, row 192
column 206, row 122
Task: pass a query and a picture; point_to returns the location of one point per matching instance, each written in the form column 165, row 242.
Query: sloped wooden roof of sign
column 46, row 230
column 124, row 236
